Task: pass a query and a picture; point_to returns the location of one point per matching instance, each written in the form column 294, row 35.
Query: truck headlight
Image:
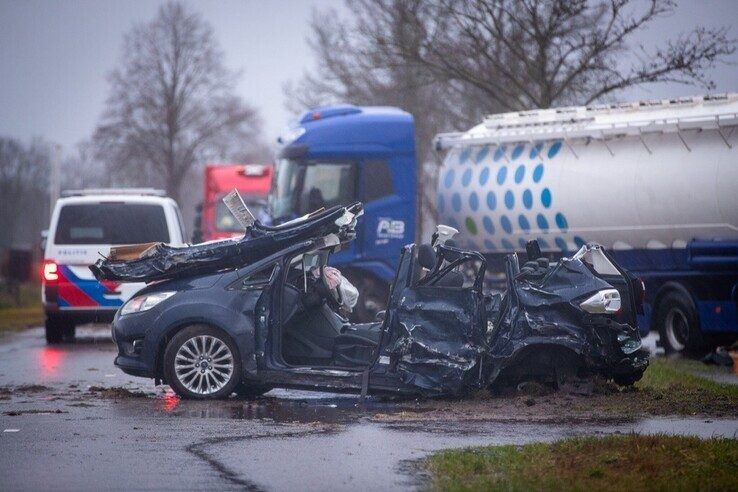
column 606, row 301
column 144, row 302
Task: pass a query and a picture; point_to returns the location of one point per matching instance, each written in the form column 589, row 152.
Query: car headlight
column 606, row 301
column 144, row 302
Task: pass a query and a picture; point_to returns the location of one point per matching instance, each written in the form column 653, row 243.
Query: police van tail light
column 50, row 272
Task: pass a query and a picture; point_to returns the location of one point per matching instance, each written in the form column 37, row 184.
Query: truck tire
column 202, row 363
column 373, row 296
column 678, row 325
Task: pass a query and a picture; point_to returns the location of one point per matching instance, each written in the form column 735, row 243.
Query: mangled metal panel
column 163, row 261
column 542, row 312
column 440, row 339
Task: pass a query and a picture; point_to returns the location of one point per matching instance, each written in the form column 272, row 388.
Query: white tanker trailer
column 656, row 182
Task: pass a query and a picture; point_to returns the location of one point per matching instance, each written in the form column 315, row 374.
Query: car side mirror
column 44, row 239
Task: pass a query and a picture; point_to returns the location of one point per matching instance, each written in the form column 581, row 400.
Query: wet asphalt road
column 59, row 430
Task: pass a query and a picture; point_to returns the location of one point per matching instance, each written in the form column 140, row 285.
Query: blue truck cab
column 339, row 154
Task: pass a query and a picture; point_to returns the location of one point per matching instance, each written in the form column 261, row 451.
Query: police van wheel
column 678, row 325
column 54, row 330
column 59, row 330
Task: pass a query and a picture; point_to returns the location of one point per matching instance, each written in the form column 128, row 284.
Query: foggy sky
column 54, row 56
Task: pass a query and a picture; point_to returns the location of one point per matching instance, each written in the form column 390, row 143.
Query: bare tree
column 24, row 171
column 358, row 63
column 172, row 104
column 449, row 62
column 525, row 54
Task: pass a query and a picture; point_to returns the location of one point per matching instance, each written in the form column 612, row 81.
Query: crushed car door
column 436, row 332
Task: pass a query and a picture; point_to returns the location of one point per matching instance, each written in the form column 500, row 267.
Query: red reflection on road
column 49, row 359
column 169, row 402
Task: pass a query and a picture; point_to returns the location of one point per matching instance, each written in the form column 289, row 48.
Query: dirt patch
column 15, row 413
column 116, row 392
column 668, row 388
column 31, row 388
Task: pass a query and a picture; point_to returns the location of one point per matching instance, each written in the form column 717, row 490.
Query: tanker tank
column 651, row 175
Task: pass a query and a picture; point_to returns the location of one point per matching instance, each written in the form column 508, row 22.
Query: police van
column 84, row 225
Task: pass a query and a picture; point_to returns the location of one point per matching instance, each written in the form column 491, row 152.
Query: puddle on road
column 284, row 406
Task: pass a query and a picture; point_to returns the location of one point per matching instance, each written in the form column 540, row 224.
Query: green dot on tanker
column 471, row 225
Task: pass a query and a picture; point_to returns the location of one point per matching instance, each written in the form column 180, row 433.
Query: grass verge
column 630, row 462
column 22, row 311
column 668, row 387
column 21, row 317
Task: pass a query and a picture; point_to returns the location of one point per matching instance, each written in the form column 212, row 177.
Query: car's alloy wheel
column 202, row 362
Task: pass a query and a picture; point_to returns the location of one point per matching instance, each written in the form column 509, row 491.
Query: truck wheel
column 202, row 362
column 373, row 294
column 54, row 330
column 678, row 326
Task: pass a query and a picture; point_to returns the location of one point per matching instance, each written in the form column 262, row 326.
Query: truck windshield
column 301, row 187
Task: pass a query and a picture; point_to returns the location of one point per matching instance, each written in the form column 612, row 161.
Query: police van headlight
column 145, row 302
column 606, row 301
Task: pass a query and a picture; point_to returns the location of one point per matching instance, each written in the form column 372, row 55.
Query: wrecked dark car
column 267, row 311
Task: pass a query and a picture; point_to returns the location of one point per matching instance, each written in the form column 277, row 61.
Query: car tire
column 678, row 325
column 251, row 390
column 54, row 330
column 202, row 363
column 628, row 379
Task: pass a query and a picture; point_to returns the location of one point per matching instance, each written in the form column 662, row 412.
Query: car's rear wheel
column 202, row 362
column 628, row 379
column 678, row 326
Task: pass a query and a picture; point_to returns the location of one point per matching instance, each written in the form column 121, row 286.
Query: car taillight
column 50, row 271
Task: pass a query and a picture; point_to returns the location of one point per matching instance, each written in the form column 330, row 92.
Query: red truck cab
column 251, row 180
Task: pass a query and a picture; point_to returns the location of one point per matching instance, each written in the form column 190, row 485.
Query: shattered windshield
column 302, row 187
column 597, row 259
column 226, row 222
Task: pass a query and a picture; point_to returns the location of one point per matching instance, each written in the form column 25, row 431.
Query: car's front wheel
column 202, row 362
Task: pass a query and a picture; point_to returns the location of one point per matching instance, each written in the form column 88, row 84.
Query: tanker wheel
column 678, row 325
column 373, row 294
